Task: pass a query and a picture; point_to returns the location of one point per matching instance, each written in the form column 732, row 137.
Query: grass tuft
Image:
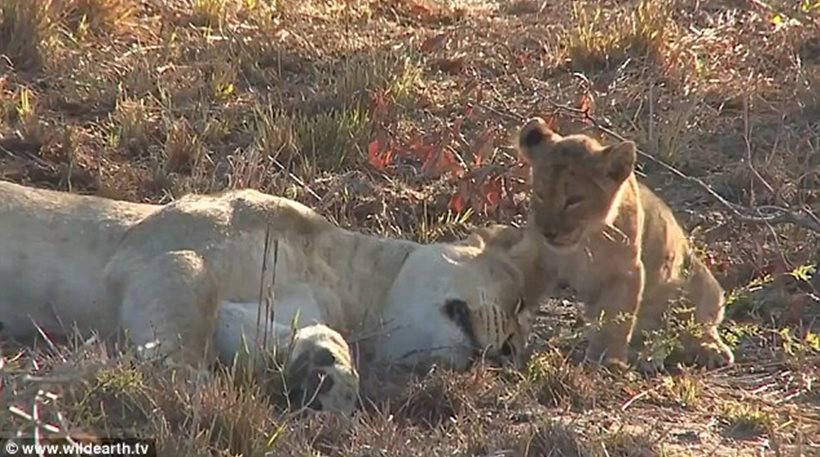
column 94, row 16
column 24, row 26
column 555, row 381
column 209, row 13
column 602, row 41
column 183, row 148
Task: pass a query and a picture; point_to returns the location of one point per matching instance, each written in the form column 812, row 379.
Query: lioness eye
column 507, row 348
column 573, row 200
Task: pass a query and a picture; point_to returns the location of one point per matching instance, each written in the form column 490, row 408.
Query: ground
column 398, row 118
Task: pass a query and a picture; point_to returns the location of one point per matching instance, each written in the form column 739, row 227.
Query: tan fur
column 619, row 246
column 182, row 282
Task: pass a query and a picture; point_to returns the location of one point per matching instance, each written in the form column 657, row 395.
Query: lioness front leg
column 320, row 372
column 168, row 307
column 617, row 303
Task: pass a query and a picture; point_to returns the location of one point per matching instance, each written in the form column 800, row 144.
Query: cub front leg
column 168, row 306
column 319, row 373
column 614, row 312
column 702, row 344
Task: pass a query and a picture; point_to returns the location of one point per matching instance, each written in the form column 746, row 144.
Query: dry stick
column 259, row 320
column 778, row 214
column 270, row 298
column 747, row 139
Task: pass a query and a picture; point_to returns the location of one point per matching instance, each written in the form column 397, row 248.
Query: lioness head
column 576, row 181
column 456, row 303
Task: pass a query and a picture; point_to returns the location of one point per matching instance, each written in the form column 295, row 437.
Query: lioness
column 183, row 280
column 619, row 246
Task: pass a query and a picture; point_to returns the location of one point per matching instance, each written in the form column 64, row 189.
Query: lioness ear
column 619, row 160
column 535, row 138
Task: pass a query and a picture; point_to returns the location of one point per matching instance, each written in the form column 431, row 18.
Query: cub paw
column 612, row 363
column 710, row 355
column 319, row 373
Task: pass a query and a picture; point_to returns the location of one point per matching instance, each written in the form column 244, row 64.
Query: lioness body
column 188, row 275
column 619, row 246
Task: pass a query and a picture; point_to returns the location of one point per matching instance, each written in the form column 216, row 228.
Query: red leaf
column 449, row 164
column 587, row 104
column 373, row 154
column 380, row 102
column 492, row 194
column 428, row 156
column 377, row 158
column 457, row 203
column 483, row 146
column 439, row 162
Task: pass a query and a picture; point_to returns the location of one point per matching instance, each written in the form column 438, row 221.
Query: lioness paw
column 319, row 373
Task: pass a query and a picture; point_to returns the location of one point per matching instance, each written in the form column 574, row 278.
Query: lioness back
column 619, row 245
column 53, row 246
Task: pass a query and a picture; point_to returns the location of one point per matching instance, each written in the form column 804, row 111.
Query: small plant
column 747, row 420
column 222, row 81
column 796, row 346
column 25, row 107
column 733, row 334
column 685, row 390
column 130, row 129
column 120, row 379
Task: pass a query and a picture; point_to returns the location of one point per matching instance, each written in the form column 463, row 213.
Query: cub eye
column 573, row 200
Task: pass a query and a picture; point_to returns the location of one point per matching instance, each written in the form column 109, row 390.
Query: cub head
column 576, row 181
column 455, row 303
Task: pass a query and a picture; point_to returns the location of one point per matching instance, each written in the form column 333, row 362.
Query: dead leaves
column 422, row 11
column 480, row 184
column 451, row 65
column 436, row 42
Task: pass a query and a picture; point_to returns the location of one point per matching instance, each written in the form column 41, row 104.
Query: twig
column 297, row 179
column 509, row 115
column 769, row 214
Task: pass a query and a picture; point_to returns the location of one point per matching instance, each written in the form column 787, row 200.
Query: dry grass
column 605, row 39
column 360, row 109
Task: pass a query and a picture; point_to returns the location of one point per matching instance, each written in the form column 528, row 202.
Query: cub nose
column 549, row 233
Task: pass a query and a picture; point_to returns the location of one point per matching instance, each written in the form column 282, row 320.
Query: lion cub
column 620, row 247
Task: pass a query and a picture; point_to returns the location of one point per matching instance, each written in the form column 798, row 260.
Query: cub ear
column 535, row 138
column 500, row 236
column 619, row 160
